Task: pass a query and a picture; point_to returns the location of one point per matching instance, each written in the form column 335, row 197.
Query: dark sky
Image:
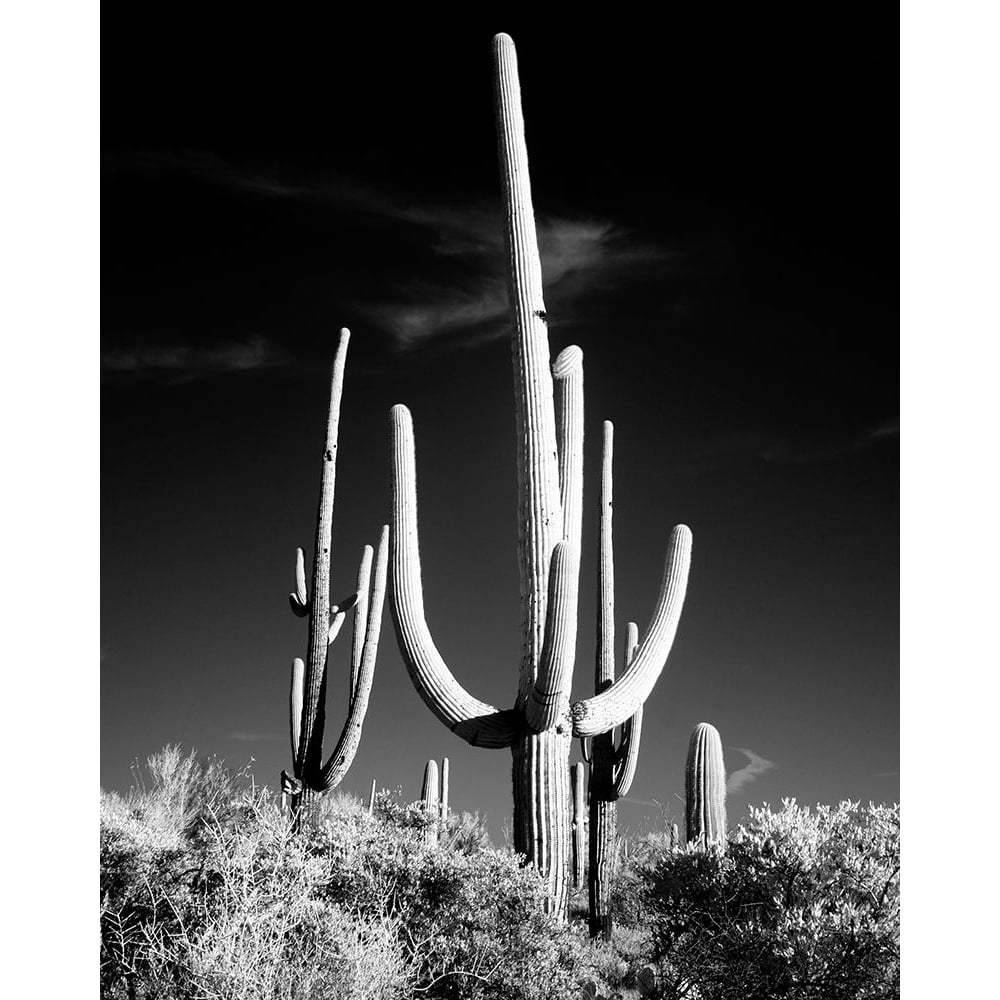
column 717, row 210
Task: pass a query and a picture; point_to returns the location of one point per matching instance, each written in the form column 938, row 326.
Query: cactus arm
column 585, row 748
column 473, row 720
column 627, row 756
column 540, row 517
column 605, row 665
column 300, row 599
column 549, row 696
column 311, row 743
column 612, row 707
column 567, row 373
column 360, row 617
column 371, row 799
column 295, row 704
column 337, row 618
column 347, row 745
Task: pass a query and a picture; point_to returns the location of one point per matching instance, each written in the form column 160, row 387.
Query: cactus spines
column 445, row 775
column 705, row 789
column 430, row 796
column 308, row 688
column 549, row 423
column 578, row 781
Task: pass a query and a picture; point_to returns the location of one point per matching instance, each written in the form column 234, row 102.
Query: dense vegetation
column 207, row 892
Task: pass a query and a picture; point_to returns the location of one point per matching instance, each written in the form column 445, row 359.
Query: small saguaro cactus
column 311, row 776
column 445, row 775
column 705, row 789
column 612, row 768
column 430, row 796
column 371, row 799
column 549, row 409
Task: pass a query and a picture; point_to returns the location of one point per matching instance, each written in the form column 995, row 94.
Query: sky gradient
column 716, row 207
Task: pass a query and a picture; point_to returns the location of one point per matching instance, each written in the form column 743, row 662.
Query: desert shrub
column 803, row 904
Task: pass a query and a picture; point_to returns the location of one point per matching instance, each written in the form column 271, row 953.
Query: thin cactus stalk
column 445, row 774
column 612, row 768
column 705, row 789
column 307, row 702
column 430, row 796
column 549, row 410
column 578, row 781
column 371, row 799
column 675, row 839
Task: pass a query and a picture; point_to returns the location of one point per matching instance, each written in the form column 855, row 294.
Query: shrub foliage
column 208, row 892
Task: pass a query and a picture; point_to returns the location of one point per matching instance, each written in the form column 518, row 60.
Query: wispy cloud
column 458, row 294
column 242, row 737
column 183, row 362
column 751, row 771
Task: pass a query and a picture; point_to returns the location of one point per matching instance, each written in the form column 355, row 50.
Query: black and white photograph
column 495, row 544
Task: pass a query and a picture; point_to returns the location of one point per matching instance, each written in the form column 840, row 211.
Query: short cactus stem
column 430, row 796
column 445, row 777
column 705, row 789
column 578, row 782
column 371, row 799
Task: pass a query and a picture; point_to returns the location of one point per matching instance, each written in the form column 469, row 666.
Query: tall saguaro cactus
column 705, row 789
column 308, row 689
column 549, row 408
column 612, row 768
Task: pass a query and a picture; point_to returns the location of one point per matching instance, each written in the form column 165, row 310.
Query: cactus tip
column 569, row 360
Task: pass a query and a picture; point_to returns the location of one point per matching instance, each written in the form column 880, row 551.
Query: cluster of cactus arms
column 540, row 727
column 705, row 789
column 612, row 768
column 311, row 776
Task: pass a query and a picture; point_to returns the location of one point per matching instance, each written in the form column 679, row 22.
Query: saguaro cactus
column 705, row 789
column 430, row 796
column 308, row 690
column 540, row 726
column 612, row 768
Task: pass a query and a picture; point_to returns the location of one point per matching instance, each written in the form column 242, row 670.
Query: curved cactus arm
column 295, row 704
column 337, row 619
column 300, row 599
column 627, row 755
column 548, row 698
column 612, row 707
column 311, row 744
column 567, row 374
column 473, row 720
column 360, row 616
column 347, row 746
column 585, row 748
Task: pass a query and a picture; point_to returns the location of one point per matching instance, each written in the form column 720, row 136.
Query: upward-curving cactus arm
column 298, row 599
column 475, row 721
column 295, row 704
column 549, row 696
column 360, row 618
column 627, row 755
column 612, row 707
column 350, row 737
